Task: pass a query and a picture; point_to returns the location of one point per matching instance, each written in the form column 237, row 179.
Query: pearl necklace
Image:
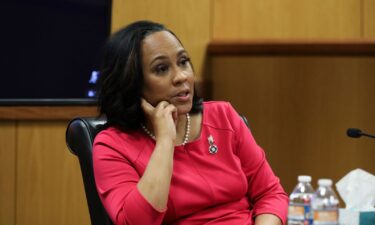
column 187, row 130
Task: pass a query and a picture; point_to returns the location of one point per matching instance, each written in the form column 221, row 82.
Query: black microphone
column 356, row 133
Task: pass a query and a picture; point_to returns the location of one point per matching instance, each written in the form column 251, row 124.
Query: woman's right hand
column 155, row 182
column 162, row 118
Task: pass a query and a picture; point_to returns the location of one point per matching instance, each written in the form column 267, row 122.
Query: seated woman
column 167, row 157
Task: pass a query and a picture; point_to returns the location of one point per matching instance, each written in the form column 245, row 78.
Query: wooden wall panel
column 299, row 109
column 189, row 20
column 49, row 184
column 7, row 171
column 368, row 18
column 244, row 19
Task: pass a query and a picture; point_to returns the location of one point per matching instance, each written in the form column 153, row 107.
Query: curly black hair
column 121, row 76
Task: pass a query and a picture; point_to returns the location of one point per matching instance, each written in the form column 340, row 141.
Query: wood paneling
column 299, row 109
column 248, row 19
column 319, row 47
column 49, row 183
column 189, row 20
column 46, row 112
column 7, row 172
column 368, row 18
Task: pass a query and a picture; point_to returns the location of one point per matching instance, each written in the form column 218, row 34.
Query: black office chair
column 80, row 135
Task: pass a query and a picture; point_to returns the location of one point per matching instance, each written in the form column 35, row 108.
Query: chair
column 80, row 135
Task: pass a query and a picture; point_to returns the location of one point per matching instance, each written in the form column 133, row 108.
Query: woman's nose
column 180, row 76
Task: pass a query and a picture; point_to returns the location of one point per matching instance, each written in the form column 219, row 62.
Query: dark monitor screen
column 50, row 49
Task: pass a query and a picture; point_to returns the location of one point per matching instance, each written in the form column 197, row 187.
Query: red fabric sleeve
column 265, row 191
column 116, row 181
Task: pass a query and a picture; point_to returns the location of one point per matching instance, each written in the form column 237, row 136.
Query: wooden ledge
column 318, row 47
column 46, row 112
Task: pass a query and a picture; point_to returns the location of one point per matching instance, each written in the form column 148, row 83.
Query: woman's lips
column 183, row 96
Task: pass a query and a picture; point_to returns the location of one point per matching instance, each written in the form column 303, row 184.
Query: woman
column 166, row 157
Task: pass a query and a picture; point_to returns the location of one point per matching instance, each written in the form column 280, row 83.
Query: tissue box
column 350, row 217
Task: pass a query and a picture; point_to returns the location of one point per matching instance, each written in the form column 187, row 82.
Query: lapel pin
column 212, row 149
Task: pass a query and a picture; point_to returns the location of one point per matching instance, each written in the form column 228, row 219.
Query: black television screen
column 51, row 48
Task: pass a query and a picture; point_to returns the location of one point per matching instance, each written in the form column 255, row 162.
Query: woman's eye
column 162, row 68
column 184, row 61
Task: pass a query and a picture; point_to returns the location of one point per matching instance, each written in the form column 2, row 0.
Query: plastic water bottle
column 299, row 212
column 325, row 204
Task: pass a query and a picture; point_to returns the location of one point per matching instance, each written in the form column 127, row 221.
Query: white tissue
column 357, row 189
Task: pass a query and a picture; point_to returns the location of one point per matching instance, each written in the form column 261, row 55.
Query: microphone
column 356, row 133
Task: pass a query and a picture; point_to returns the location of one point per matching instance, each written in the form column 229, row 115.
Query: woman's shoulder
column 115, row 136
column 219, row 107
column 219, row 114
column 215, row 105
column 113, row 142
column 108, row 133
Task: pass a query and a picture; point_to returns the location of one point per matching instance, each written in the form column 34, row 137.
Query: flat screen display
column 52, row 49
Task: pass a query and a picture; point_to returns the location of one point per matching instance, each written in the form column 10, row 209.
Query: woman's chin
column 183, row 109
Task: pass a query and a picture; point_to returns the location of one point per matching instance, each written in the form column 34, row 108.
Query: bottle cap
column 304, row 178
column 324, row 182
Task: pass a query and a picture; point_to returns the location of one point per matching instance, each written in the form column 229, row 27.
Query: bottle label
column 300, row 214
column 326, row 217
column 296, row 212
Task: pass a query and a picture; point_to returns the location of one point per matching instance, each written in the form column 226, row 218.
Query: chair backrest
column 80, row 135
